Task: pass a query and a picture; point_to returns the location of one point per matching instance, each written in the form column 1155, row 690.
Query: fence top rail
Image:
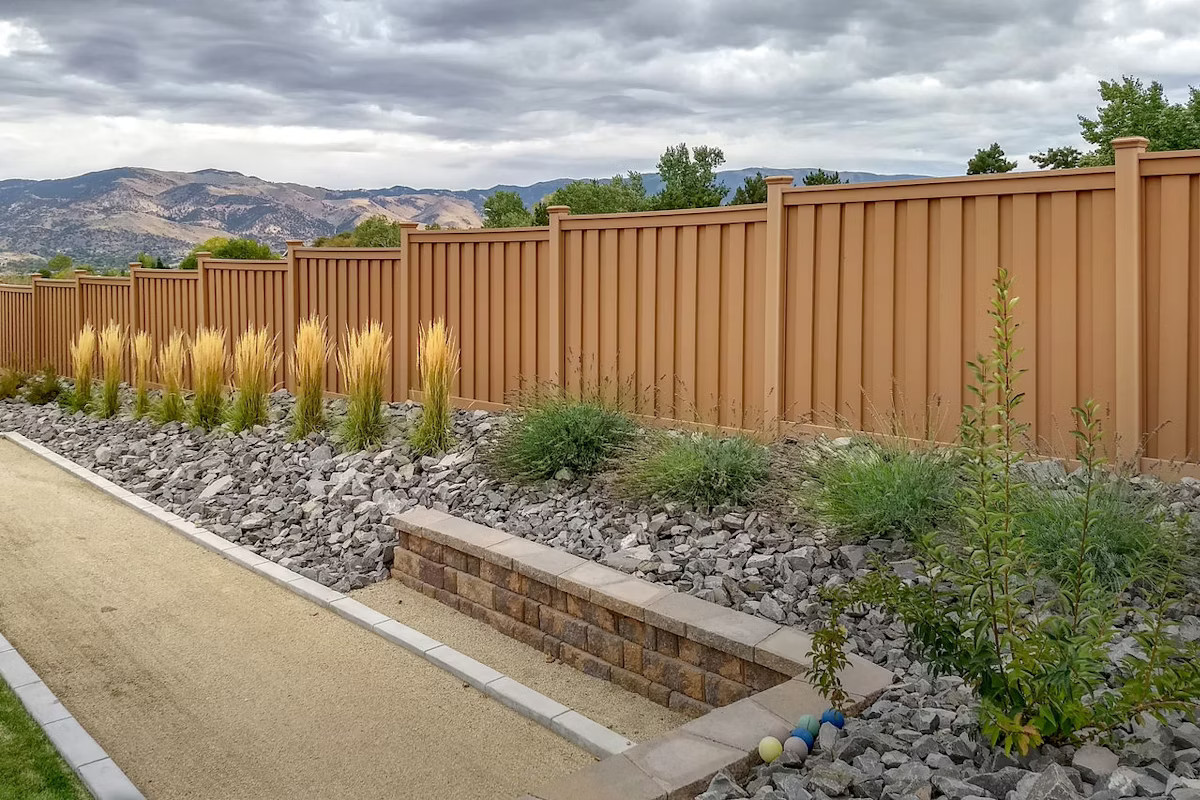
column 54, row 283
column 348, row 252
column 680, row 216
column 1178, row 164
column 163, row 274
column 261, row 265
column 1058, row 180
column 1169, row 154
column 16, row 287
column 472, row 235
column 100, row 279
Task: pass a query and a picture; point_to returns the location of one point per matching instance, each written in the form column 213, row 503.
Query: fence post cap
column 1130, row 142
column 558, row 210
column 204, row 254
column 785, row 179
column 296, row 242
column 134, row 264
column 409, row 225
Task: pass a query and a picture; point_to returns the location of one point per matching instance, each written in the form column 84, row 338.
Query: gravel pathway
column 203, row 680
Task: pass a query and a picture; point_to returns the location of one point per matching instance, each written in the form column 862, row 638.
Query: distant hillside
column 106, row 218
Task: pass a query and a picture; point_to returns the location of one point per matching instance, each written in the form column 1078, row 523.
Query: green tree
column 1057, row 158
column 1129, row 108
column 158, row 263
column 59, row 263
column 752, row 190
column 221, row 247
column 432, row 226
column 377, row 231
column 689, row 178
column 44, row 272
column 624, row 193
column 505, row 209
column 989, row 160
column 146, row 260
column 343, row 239
column 823, row 178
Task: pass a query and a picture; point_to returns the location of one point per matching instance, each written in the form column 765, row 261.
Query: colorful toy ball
column 796, row 746
column 834, row 717
column 803, row 735
column 769, row 749
column 809, row 723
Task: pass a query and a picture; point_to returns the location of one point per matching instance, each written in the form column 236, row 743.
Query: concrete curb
column 103, row 778
column 581, row 731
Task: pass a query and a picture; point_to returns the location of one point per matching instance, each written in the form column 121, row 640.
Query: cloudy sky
column 469, row 93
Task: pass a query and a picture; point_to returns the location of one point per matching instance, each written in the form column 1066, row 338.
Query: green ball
column 769, row 749
column 811, row 723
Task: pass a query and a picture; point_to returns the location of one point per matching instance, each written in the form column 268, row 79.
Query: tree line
column 1127, row 108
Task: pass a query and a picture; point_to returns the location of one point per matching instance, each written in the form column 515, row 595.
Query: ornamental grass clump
column 143, row 355
column 363, row 361
column 11, row 381
column 208, row 378
column 437, row 359
column 43, row 387
column 559, row 437
column 170, row 375
column 312, row 350
column 983, row 608
column 698, row 468
column 112, row 350
column 83, row 354
column 867, row 489
column 254, row 363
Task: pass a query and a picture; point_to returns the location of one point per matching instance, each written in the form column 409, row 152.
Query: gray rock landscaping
column 325, row 514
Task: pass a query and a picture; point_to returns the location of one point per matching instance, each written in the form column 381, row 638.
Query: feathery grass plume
column 254, row 363
column 437, row 359
column 363, row 361
column 208, row 377
column 112, row 348
column 11, row 381
column 312, row 350
column 83, row 353
column 170, row 374
column 143, row 354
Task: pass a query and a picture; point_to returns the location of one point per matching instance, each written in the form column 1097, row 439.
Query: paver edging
column 83, row 754
column 585, row 733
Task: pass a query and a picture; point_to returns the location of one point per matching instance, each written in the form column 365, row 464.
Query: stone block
column 584, row 662
column 463, row 667
column 539, row 592
column 630, row 681
column 532, row 614
column 605, row 645
column 454, row 558
column 600, row 616
column 720, row 691
column 788, row 650
column 512, row 550
column 732, row 631
column 73, row 742
column 500, row 576
column 476, row 590
column 547, row 565
column 690, row 652
column 628, row 597
column 509, row 603
column 406, row 561
column 659, row 693
column 688, row 705
column 760, row 678
column 740, row 725
column 667, row 643
column 686, row 762
column 674, row 611
column 563, row 627
column 525, row 701
column 431, row 574
column 450, row 579
column 582, row 578
column 631, row 656
column 632, row 629
column 425, row 548
column 106, row 781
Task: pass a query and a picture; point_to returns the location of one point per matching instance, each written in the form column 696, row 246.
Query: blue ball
column 803, row 734
column 834, row 717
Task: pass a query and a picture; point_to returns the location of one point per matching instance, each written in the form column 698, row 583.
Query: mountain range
column 106, row 218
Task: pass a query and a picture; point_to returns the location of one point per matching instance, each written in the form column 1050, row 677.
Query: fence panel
column 57, row 320
column 166, row 300
column 887, row 289
column 102, row 300
column 664, row 311
column 17, row 343
column 349, row 287
column 238, row 295
column 1171, row 316
column 491, row 287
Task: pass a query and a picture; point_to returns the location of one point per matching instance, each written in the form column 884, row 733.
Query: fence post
column 400, row 338
column 555, row 298
column 79, row 301
column 291, row 307
column 201, row 297
column 773, row 354
column 1129, row 285
column 134, row 317
column 35, row 312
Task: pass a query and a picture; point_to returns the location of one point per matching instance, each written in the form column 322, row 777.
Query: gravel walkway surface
column 203, row 680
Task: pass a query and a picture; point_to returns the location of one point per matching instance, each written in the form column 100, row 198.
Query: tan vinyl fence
column 837, row 307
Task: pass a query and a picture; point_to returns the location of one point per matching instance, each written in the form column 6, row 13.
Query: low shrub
column 83, row 354
column 312, row 350
column 170, row 374
column 363, row 361
column 698, row 468
column 11, row 381
column 869, row 489
column 437, row 359
column 1121, row 530
column 44, row 386
column 554, row 433
column 143, row 354
column 208, row 378
column 254, row 363
column 112, row 349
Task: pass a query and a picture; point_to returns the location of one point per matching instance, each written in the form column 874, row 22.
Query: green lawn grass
column 30, row 767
